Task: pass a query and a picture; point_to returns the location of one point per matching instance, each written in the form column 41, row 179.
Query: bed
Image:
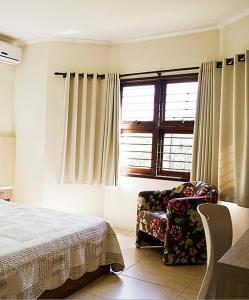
column 44, row 251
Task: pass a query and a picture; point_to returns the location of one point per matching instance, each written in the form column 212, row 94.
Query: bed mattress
column 41, row 248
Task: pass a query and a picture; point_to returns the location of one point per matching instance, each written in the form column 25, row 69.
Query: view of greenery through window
column 177, row 153
column 136, row 149
column 152, row 141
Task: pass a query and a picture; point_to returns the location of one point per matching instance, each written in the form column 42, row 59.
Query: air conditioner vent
column 10, row 54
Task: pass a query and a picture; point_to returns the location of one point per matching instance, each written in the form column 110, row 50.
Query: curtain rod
column 230, row 61
column 102, row 76
column 89, row 76
column 159, row 72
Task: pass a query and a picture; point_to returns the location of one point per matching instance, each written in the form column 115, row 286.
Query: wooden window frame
column 158, row 127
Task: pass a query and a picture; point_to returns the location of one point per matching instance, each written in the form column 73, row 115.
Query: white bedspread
column 41, row 248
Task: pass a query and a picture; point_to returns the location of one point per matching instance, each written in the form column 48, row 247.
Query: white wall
column 7, row 159
column 7, row 130
column 120, row 205
column 234, row 38
column 7, row 100
column 30, row 117
column 180, row 51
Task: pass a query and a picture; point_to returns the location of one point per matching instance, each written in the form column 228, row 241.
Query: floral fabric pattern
column 171, row 216
column 195, row 188
column 153, row 200
column 153, row 223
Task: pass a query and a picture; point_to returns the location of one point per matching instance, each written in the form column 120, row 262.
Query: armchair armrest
column 153, row 200
column 181, row 206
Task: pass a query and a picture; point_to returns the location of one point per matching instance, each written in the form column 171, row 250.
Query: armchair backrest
column 194, row 189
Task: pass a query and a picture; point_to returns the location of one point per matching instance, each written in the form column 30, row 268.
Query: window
column 157, row 126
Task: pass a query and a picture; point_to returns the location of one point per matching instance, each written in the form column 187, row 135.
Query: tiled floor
column 145, row 277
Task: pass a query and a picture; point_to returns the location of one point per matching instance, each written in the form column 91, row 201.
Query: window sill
column 159, row 177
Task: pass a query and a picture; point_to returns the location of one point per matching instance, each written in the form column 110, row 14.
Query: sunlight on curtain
column 221, row 138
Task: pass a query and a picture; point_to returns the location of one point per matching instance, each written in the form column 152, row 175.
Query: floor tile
column 124, row 287
column 129, row 262
column 192, row 290
column 176, row 277
column 145, row 276
column 183, row 296
column 83, row 296
column 152, row 254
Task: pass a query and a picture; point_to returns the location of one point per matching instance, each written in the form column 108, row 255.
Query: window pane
column 177, row 152
column 136, row 150
column 138, row 103
column 181, row 101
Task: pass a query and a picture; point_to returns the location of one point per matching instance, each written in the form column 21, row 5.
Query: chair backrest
column 217, row 225
column 205, row 189
column 194, row 189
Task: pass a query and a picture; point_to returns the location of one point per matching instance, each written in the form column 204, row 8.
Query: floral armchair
column 170, row 218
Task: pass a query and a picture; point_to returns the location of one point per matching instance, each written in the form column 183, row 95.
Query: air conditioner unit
column 10, row 54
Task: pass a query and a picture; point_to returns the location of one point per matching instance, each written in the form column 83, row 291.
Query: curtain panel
column 221, row 137
column 90, row 130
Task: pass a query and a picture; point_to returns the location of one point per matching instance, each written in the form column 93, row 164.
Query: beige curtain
column 90, row 130
column 221, row 137
column 206, row 134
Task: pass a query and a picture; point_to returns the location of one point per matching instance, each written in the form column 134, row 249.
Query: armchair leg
column 138, row 239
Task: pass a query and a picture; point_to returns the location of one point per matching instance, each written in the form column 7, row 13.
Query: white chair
column 217, row 225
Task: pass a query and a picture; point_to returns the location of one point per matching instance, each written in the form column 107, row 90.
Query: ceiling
column 113, row 20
